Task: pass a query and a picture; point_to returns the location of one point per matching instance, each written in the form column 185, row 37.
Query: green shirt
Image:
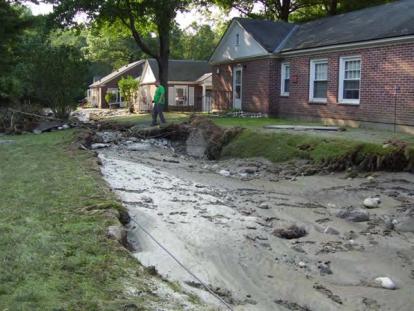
column 159, row 97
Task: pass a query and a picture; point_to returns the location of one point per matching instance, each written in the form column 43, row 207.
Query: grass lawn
column 54, row 254
column 146, row 119
column 280, row 147
column 257, row 123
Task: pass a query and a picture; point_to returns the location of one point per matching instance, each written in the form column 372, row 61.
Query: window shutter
column 191, row 96
column 171, row 96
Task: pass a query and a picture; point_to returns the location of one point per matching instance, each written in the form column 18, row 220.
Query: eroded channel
column 219, row 219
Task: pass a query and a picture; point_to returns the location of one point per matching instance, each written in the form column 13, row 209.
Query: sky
column 183, row 19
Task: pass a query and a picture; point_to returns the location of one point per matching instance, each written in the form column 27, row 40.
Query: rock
column 371, row 178
column 107, row 137
column 385, row 282
column 248, row 170
column 330, row 230
column 302, row 264
column 117, row 233
column 331, row 205
column 66, row 126
column 353, row 214
column 224, row 173
column 325, row 268
column 147, row 199
column 99, row 146
column 292, row 232
column 264, row 206
column 196, row 144
column 405, row 224
column 372, row 202
column 46, row 126
column 138, row 147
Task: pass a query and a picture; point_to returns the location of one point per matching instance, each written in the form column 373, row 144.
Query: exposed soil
column 219, row 219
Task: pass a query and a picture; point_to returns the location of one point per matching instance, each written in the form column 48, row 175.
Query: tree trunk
column 285, row 10
column 333, row 7
column 163, row 61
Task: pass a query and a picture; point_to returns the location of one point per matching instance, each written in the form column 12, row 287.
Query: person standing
column 159, row 102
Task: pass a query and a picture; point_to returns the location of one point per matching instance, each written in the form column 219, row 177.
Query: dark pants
column 157, row 110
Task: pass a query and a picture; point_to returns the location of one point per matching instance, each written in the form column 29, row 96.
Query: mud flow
column 264, row 239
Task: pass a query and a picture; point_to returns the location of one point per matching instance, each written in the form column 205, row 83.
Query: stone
column 371, row 178
column 405, row 224
column 302, row 264
column 373, row 202
column 196, row 144
column 264, row 206
column 99, row 146
column 385, row 282
column 66, row 126
column 224, row 173
column 330, row 230
column 353, row 214
column 147, row 199
column 107, row 137
column 138, row 147
column 248, row 170
column 292, row 232
column 117, row 233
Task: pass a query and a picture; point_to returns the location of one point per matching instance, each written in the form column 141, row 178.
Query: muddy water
column 221, row 229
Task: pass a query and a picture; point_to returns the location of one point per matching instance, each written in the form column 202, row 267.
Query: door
column 237, row 87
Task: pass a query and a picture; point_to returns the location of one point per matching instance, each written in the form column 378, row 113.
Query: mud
column 221, row 228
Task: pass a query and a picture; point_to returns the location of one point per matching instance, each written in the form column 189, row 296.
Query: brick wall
column 256, row 84
column 382, row 69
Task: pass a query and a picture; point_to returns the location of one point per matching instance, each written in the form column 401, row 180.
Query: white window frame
column 312, row 79
column 282, row 79
column 341, row 98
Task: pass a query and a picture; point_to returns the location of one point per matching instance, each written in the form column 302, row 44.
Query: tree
column 128, row 87
column 269, row 9
column 139, row 16
column 58, row 77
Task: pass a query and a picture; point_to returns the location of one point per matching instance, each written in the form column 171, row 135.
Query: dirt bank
column 222, row 219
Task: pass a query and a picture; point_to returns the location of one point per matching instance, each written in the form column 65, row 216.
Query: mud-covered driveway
column 222, row 228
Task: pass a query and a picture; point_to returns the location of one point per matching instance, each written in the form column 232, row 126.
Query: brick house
column 354, row 69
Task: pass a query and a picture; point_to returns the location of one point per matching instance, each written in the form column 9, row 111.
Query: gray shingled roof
column 269, row 34
column 182, row 70
column 121, row 71
column 384, row 21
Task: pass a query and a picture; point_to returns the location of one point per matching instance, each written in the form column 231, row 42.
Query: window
column 285, row 79
column 318, row 87
column 349, row 80
column 237, row 39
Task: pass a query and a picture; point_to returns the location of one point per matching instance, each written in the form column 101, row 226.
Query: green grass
column 146, row 119
column 280, row 147
column 53, row 253
column 257, row 123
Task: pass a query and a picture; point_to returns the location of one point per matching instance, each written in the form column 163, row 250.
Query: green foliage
column 58, row 77
column 110, row 97
column 128, row 86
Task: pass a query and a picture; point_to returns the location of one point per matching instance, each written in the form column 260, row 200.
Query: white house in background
column 189, row 86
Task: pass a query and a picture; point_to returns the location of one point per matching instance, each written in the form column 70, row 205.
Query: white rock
column 264, row 206
column 138, row 147
column 385, row 282
column 65, row 126
column 99, row 146
column 302, row 264
column 224, row 173
column 372, row 202
column 331, row 205
column 371, row 178
column 243, row 175
column 330, row 230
